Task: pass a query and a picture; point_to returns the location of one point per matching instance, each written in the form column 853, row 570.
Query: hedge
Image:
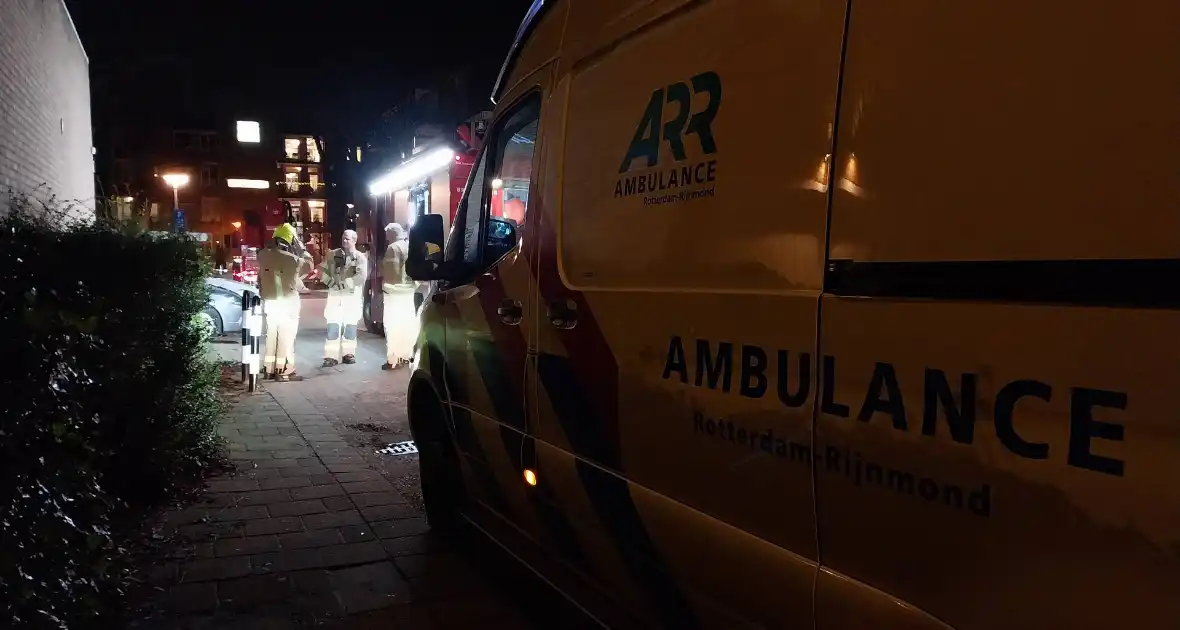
column 111, row 404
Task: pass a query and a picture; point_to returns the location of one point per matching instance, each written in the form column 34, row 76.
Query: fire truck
column 257, row 229
column 430, row 181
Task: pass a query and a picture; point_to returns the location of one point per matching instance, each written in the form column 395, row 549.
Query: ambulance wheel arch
column 441, row 473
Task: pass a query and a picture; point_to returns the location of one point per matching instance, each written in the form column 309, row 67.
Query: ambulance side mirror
column 502, row 238
column 426, row 249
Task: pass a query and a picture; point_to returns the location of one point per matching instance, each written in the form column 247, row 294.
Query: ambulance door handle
column 563, row 313
column 510, row 312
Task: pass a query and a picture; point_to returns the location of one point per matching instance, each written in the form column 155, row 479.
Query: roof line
column 526, row 26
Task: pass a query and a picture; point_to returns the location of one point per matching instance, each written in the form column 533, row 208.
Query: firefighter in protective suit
column 344, row 271
column 399, row 313
column 278, row 286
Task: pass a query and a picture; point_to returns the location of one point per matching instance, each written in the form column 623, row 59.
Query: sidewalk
column 307, row 535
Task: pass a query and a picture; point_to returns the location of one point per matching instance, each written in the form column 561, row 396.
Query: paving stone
column 344, row 460
column 258, row 432
column 288, row 560
column 280, row 463
column 262, row 473
column 369, row 587
column 284, row 482
column 311, row 582
column 309, row 417
column 232, row 485
column 187, row 516
column 362, row 487
column 400, row 529
column 246, row 546
column 300, row 550
column 303, row 470
column 339, row 469
column 389, row 512
column 333, row 520
column 371, row 499
column 316, row 492
column 244, row 499
column 248, row 513
column 254, row 589
column 338, row 504
column 191, row 598
column 357, row 533
column 412, row 545
column 274, row 525
column 297, row 508
column 204, row 531
column 297, row 453
column 322, row 479
column 354, row 553
column 202, row 550
column 362, row 475
column 311, row 539
column 210, row 569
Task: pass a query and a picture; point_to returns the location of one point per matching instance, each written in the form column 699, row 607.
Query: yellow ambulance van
column 823, row 314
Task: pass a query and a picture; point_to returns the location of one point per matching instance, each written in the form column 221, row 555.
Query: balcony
column 303, row 190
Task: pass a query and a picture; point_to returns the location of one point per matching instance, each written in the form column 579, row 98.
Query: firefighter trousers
column 282, row 325
column 342, row 312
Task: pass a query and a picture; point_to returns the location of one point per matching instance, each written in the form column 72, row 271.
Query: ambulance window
column 464, row 242
column 512, row 166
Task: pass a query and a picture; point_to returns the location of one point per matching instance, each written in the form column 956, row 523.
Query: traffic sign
column 179, row 216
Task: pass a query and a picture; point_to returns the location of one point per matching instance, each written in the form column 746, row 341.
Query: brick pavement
column 307, row 533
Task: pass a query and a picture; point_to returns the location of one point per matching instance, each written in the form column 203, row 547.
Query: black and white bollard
column 251, row 340
column 245, row 336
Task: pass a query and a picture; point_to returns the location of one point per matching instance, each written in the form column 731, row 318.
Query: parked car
column 223, row 314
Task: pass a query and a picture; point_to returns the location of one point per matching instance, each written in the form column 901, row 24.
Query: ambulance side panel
column 685, row 243
column 998, row 437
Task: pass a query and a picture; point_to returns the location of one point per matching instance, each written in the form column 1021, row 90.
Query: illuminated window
column 257, row 184
column 293, row 147
column 291, row 176
column 313, row 177
column 313, row 150
column 358, row 154
column 315, row 211
column 123, row 208
column 249, row 132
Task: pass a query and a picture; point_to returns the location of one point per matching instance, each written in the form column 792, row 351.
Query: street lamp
column 176, row 181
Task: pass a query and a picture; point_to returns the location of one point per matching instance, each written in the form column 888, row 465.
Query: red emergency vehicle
column 255, row 232
column 430, row 182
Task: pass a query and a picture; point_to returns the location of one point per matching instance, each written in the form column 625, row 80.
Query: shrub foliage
column 111, row 403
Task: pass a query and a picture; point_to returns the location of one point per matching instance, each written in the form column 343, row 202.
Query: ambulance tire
column 438, row 464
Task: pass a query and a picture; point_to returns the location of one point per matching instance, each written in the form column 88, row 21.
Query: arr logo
column 652, row 129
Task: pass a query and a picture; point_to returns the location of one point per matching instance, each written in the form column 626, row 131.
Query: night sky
column 329, row 66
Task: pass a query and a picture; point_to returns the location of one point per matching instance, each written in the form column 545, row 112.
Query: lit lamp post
column 176, row 181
